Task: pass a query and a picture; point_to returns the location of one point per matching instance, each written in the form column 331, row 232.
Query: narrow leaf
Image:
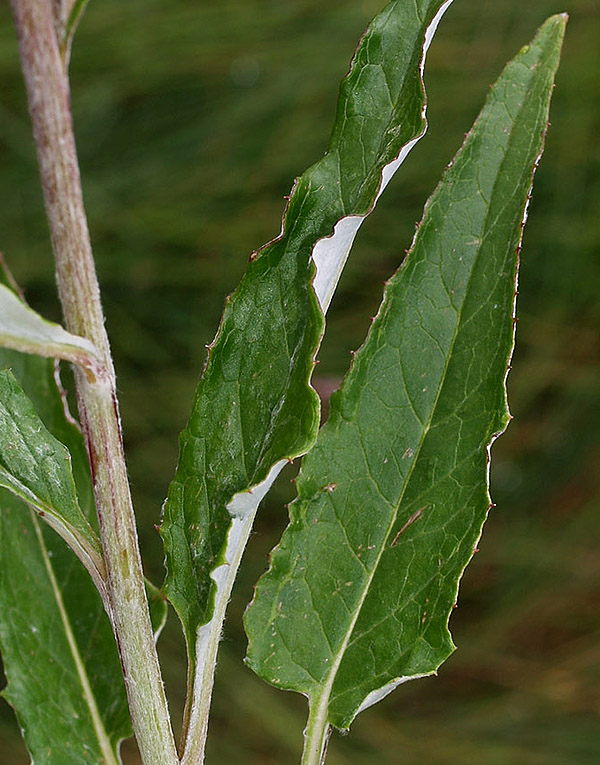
column 254, row 408
column 158, row 608
column 75, row 10
column 392, row 499
column 36, row 467
column 59, row 653
column 22, row 329
column 66, row 15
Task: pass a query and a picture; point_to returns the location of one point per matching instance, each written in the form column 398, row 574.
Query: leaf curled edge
column 254, row 407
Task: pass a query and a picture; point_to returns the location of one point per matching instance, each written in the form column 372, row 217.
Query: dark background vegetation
column 192, row 120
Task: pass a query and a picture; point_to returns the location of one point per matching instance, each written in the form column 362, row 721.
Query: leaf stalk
column 316, row 734
column 207, row 645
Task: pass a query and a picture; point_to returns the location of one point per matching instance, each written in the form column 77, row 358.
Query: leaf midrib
column 88, row 694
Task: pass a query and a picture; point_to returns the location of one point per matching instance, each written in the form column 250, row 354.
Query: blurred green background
column 192, row 120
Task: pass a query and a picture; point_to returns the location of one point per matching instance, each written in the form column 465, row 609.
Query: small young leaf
column 22, row 329
column 392, row 499
column 158, row 608
column 37, row 468
column 59, row 653
column 74, row 13
column 66, row 15
column 254, row 408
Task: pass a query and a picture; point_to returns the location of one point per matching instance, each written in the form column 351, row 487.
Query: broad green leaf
column 22, row 329
column 59, row 653
column 254, row 408
column 36, row 467
column 392, row 498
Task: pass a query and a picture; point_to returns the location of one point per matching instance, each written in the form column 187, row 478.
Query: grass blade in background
column 392, row 498
column 60, row 658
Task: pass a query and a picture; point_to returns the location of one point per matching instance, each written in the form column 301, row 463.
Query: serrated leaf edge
column 318, row 717
column 331, row 253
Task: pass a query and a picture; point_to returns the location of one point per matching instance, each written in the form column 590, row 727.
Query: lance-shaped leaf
column 22, row 329
column 36, row 467
column 392, row 499
column 254, row 408
column 59, row 653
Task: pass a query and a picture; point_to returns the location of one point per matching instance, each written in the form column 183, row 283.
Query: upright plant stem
column 49, row 102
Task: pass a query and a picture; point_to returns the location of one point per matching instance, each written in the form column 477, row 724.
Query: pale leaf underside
column 22, row 329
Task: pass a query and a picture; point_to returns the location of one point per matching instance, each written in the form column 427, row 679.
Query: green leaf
column 158, row 608
column 254, row 408
column 36, row 467
column 24, row 330
column 392, row 499
column 54, row 632
column 66, row 15
column 53, row 680
column 76, row 9
column 59, row 653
